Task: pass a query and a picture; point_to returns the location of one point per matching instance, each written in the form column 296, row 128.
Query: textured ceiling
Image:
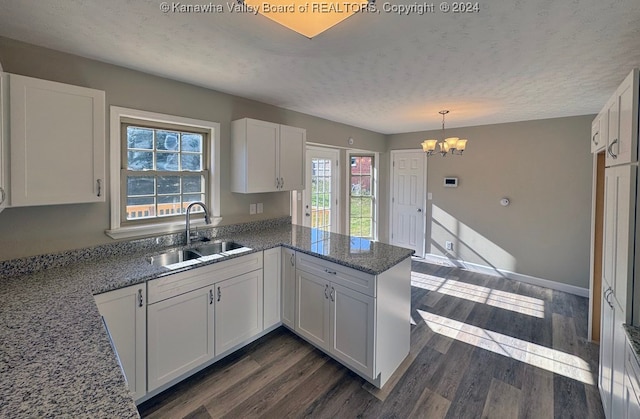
column 390, row 73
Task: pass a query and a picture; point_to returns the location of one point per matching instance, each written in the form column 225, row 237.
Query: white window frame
column 117, row 231
column 374, row 190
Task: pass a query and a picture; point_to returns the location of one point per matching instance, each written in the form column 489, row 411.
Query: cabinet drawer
column 347, row 277
column 179, row 283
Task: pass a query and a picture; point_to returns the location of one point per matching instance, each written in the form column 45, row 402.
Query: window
column 159, row 165
column 362, row 196
column 164, row 171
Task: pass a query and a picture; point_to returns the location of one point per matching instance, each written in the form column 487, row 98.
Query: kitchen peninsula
column 56, row 357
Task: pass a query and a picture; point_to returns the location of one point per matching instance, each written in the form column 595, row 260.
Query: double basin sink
column 177, row 256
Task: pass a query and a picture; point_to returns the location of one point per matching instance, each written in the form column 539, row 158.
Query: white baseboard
column 559, row 286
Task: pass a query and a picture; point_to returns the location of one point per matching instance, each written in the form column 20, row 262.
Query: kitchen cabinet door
column 352, row 320
column 180, row 332
column 626, row 97
column 605, row 373
column 288, row 287
column 125, row 314
column 254, row 148
column 57, row 143
column 620, row 196
column 238, row 307
column 291, row 158
column 313, row 311
column 622, row 118
column 599, row 132
column 272, row 285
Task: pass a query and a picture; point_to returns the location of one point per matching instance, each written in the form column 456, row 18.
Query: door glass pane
column 321, row 193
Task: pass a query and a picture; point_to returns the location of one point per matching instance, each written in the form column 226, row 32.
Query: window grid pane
column 164, row 172
column 361, row 197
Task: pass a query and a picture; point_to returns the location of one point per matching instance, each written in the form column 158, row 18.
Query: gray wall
column 38, row 230
column 544, row 167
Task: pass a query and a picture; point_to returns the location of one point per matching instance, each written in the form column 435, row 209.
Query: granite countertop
column 55, row 356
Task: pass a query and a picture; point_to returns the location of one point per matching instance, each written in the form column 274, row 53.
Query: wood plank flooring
column 481, row 347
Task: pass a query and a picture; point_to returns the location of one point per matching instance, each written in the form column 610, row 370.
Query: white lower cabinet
column 337, row 319
column 238, row 310
column 366, row 331
column 352, row 322
column 180, row 335
column 199, row 315
column 313, row 319
column 124, row 312
column 272, row 286
column 288, row 266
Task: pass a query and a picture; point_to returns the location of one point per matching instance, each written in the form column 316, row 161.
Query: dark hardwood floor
column 481, row 346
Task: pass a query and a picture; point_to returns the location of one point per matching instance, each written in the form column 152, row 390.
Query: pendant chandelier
column 453, row 145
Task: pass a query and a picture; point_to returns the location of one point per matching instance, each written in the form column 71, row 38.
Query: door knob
column 419, row 209
column 307, row 214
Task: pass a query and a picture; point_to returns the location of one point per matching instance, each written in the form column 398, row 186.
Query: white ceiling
column 514, row 60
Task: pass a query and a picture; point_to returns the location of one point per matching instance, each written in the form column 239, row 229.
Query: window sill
column 155, row 229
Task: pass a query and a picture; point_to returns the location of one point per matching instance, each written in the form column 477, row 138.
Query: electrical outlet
column 259, row 207
column 252, row 209
column 448, row 245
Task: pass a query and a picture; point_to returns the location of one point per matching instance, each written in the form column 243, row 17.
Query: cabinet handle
column 278, row 186
column 3, row 195
column 211, row 296
column 332, row 294
column 593, row 139
column 140, row 299
column 326, row 288
column 330, row 272
column 219, row 294
column 281, row 182
column 291, row 259
column 99, row 181
column 609, row 150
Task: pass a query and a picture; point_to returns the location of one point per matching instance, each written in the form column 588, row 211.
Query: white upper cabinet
column 622, row 117
column 4, row 97
column 599, row 132
column 291, row 154
column 266, row 157
column 57, row 142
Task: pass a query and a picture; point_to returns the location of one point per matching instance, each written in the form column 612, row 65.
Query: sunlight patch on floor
column 559, row 362
column 478, row 294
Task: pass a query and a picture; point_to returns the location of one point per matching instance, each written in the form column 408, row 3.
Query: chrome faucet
column 188, row 219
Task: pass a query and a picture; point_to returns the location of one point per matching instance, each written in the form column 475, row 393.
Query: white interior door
column 407, row 200
column 320, row 197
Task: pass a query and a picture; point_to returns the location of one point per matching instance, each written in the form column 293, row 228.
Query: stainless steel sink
column 215, row 248
column 174, row 256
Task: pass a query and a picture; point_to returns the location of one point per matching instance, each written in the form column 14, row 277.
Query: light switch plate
column 259, row 207
column 252, row 209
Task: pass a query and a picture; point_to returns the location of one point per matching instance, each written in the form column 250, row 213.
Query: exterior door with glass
column 320, row 197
